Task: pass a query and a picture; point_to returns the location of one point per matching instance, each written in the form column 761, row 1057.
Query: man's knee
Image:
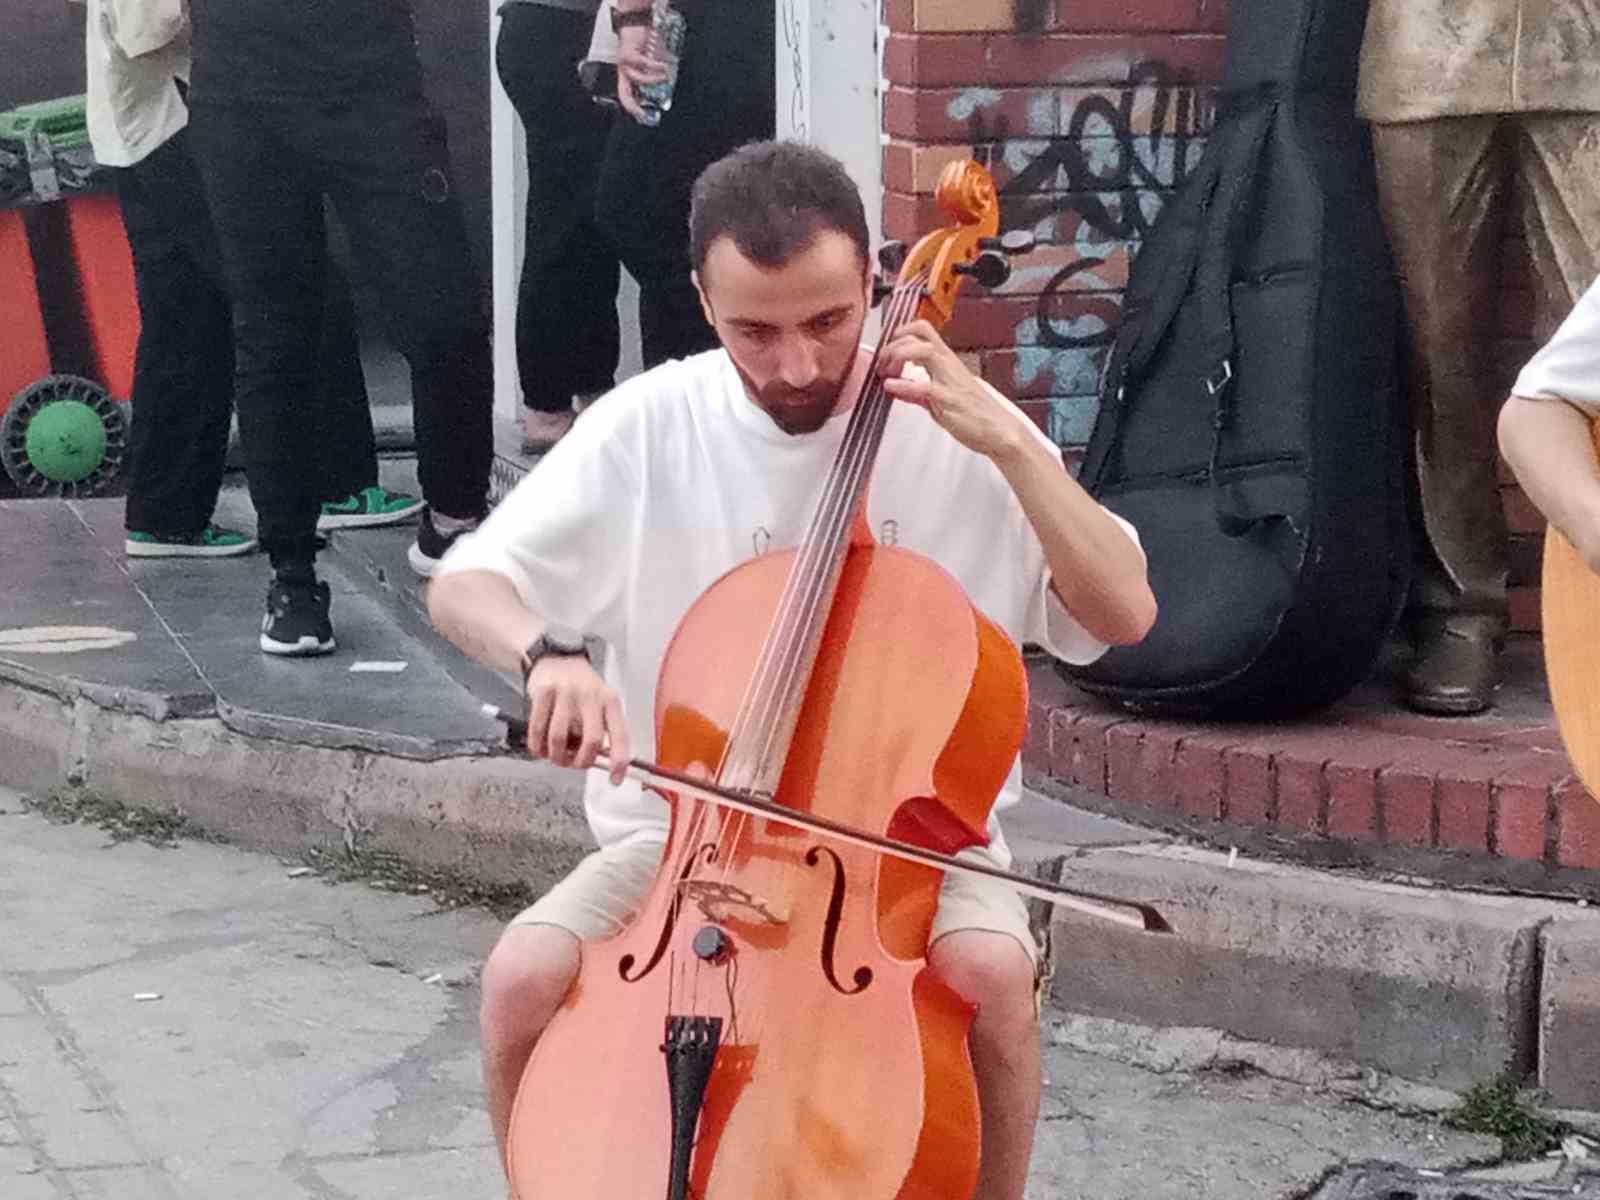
column 989, row 970
column 528, row 974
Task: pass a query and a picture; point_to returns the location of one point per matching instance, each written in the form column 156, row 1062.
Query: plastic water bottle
column 668, row 28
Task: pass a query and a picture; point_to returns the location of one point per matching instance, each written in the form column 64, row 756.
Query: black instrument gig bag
column 1248, row 417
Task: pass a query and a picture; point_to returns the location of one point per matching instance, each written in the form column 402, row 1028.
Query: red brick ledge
column 1365, row 774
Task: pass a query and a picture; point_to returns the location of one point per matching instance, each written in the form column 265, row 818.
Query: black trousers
column 567, row 336
column 183, row 370
column 723, row 99
column 383, row 162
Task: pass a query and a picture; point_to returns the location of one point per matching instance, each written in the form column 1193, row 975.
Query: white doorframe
column 508, row 167
column 830, row 87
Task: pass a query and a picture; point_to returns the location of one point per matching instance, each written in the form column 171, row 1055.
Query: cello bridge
column 724, row 902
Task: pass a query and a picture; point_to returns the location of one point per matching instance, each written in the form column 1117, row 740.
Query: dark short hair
column 773, row 199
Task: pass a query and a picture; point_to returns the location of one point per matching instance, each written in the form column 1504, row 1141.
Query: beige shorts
column 603, row 890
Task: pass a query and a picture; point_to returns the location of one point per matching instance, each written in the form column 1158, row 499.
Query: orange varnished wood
column 833, row 1096
column 1571, row 619
column 842, row 1071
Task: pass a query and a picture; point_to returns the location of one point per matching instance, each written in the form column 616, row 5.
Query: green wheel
column 64, row 436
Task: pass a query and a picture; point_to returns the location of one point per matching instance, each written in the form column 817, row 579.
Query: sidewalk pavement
column 199, row 1021
column 159, row 698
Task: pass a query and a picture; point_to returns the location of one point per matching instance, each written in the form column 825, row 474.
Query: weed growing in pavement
column 376, row 868
column 448, row 889
column 1506, row 1110
column 125, row 823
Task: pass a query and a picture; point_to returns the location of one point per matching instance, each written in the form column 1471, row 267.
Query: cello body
column 841, row 1069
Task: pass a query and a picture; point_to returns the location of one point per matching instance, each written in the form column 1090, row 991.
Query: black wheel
column 64, row 436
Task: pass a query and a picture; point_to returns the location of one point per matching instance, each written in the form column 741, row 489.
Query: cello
column 766, row 1026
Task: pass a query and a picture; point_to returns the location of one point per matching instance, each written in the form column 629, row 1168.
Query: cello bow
column 1132, row 914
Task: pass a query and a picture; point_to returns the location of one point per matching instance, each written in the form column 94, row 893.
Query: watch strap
column 544, row 646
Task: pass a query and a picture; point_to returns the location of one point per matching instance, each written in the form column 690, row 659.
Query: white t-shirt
column 677, row 477
column 134, row 51
column 1567, row 367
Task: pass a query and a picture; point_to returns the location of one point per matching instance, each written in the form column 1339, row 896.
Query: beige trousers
column 1445, row 186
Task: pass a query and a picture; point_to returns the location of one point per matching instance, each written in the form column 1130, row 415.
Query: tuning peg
column 881, row 290
column 1013, row 241
column 891, row 257
column 991, row 268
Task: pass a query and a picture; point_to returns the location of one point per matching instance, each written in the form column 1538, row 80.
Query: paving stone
column 1569, row 1014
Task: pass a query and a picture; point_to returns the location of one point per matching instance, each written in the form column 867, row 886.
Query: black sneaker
column 297, row 622
column 431, row 545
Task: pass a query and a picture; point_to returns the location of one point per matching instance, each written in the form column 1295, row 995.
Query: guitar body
column 1571, row 602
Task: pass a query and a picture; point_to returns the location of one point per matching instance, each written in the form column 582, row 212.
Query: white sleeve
column 145, row 26
column 1057, row 630
column 1049, row 623
column 1568, row 366
column 565, row 535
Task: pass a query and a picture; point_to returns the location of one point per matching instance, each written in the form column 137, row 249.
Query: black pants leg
column 183, row 371
column 266, row 203
column 723, row 99
column 382, row 162
column 567, row 334
column 347, row 446
column 386, row 165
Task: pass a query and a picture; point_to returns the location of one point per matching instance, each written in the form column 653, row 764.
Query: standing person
column 1474, row 102
column 294, row 99
column 674, row 480
column 137, row 54
column 567, row 328
column 724, row 98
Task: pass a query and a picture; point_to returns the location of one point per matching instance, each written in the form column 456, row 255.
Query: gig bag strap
column 1214, row 305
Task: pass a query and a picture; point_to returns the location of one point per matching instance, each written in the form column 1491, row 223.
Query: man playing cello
column 697, row 466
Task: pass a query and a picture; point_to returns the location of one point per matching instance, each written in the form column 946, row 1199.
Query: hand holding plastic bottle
column 647, row 64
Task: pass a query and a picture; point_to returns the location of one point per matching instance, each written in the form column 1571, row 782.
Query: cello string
column 823, row 547
column 798, row 595
column 831, row 524
column 760, row 720
column 783, row 651
column 816, row 569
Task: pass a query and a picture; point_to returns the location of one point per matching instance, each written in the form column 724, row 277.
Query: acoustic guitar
column 1572, row 648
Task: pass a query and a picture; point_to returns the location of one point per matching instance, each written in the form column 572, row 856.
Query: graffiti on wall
column 1089, row 174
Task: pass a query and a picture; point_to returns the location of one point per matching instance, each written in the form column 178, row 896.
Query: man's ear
column 705, row 300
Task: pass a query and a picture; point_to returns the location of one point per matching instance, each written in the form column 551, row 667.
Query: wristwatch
column 556, row 639
column 622, row 18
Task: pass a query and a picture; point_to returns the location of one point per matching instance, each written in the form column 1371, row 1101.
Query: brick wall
column 1090, row 113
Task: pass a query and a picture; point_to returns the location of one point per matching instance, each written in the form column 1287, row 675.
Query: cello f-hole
column 830, row 927
column 626, row 963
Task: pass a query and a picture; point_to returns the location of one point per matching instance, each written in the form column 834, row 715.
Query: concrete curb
column 1434, row 986
column 490, row 816
column 1443, row 988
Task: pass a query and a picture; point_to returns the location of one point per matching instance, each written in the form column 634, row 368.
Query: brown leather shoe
column 1457, row 667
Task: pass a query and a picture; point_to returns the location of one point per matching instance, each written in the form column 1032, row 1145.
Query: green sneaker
column 211, row 542
column 370, row 506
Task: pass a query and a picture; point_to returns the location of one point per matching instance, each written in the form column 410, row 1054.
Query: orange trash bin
column 26, row 355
